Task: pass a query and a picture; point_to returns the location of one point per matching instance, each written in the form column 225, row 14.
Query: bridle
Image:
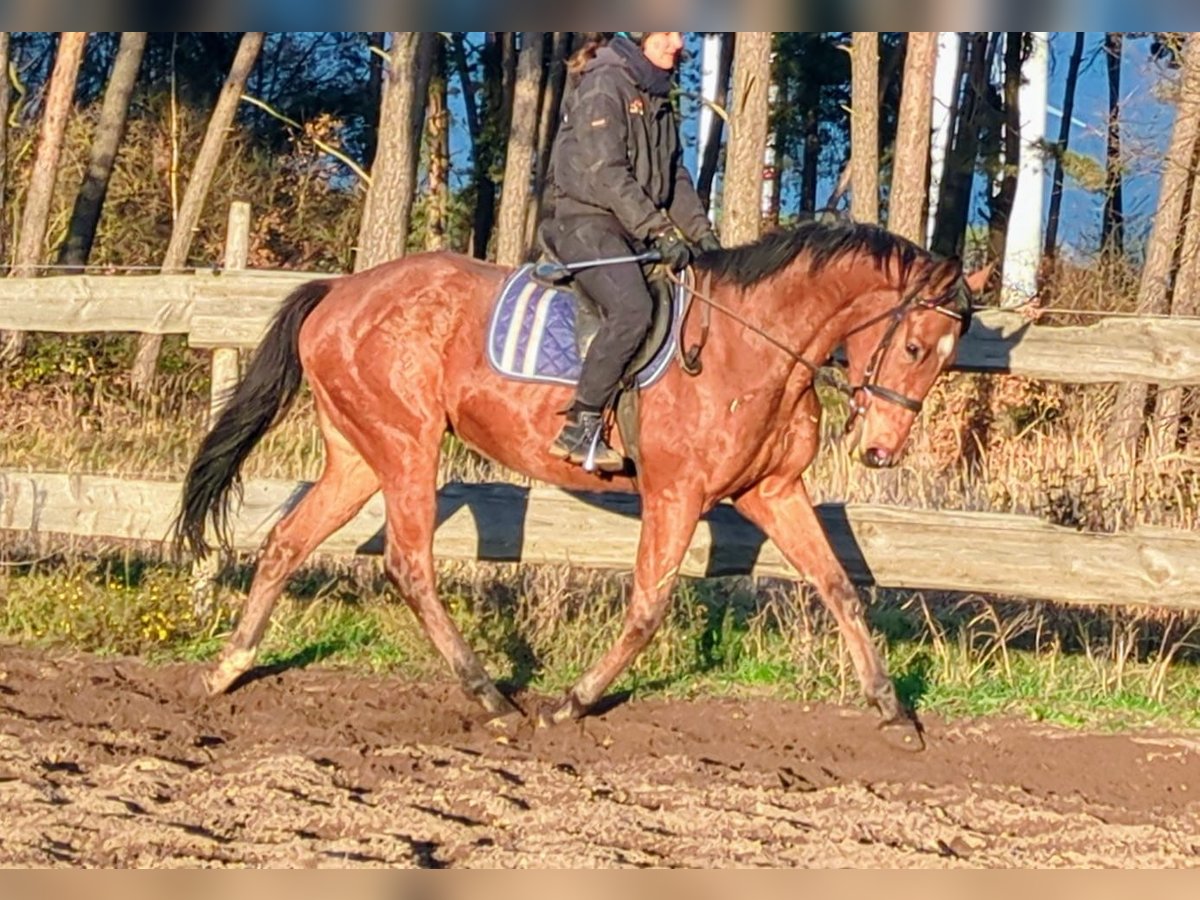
column 956, row 294
column 954, row 302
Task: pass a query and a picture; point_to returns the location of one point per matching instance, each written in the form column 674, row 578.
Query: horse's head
column 908, row 339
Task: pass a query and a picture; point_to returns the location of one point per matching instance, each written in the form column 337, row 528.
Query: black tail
column 258, row 402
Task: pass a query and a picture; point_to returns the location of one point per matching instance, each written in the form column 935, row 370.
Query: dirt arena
column 112, row 763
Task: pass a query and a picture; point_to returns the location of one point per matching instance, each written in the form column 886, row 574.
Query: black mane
column 824, row 242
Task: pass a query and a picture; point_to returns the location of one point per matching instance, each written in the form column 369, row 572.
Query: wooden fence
column 232, row 309
column 961, row 551
column 944, row 550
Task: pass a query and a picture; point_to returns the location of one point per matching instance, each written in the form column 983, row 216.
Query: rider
column 620, row 188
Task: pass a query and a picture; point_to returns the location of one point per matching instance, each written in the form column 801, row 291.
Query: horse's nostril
column 877, row 457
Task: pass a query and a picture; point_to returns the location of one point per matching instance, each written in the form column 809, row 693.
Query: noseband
column 954, row 302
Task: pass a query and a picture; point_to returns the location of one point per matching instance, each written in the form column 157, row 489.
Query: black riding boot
column 581, row 441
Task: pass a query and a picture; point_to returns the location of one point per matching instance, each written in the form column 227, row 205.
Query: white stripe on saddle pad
column 508, row 357
column 533, row 348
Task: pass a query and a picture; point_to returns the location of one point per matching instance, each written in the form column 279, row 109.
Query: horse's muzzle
column 878, row 458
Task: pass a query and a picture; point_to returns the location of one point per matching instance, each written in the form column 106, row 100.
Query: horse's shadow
column 501, row 513
column 302, row 658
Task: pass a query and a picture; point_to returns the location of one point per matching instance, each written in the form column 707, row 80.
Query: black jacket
column 618, row 151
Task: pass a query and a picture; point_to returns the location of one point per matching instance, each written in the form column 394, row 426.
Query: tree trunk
column 200, row 180
column 864, row 127
column 437, row 200
column 1112, row 227
column 1002, row 200
column 958, row 177
column 1023, row 244
column 949, row 71
column 741, row 209
column 508, row 67
column 716, row 123
column 487, row 144
column 1130, row 410
column 907, row 198
column 60, row 96
column 387, row 212
column 105, row 145
column 810, row 170
column 374, row 96
column 4, row 94
column 522, row 151
column 551, row 105
column 1185, row 301
column 1050, row 250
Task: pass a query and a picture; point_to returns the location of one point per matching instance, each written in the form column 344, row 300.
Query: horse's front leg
column 668, row 524
column 781, row 507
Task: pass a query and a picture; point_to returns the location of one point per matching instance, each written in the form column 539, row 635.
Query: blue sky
column 1146, row 123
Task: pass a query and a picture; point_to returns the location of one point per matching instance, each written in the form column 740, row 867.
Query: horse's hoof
column 498, row 705
column 487, row 695
column 227, row 671
column 903, row 732
column 565, row 710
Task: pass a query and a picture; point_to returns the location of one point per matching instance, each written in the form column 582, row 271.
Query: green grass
column 539, row 629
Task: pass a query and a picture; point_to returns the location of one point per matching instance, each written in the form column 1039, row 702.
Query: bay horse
column 395, row 358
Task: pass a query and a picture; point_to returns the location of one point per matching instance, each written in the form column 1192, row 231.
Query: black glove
column 675, row 252
column 708, row 243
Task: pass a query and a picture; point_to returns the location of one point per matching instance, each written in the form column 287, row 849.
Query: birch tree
column 714, row 120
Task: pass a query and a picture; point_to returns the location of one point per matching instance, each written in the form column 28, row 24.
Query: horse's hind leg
column 408, row 559
column 344, row 486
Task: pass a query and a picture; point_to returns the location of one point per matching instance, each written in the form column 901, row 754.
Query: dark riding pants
column 620, row 292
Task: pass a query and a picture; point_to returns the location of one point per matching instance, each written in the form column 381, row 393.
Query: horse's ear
column 978, row 279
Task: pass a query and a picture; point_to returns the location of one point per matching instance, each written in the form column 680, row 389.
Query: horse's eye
column 913, row 349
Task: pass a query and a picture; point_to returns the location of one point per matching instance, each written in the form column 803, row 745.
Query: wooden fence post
column 225, row 373
column 225, row 359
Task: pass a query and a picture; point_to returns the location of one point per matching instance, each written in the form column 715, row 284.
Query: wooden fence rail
column 940, row 550
column 232, row 309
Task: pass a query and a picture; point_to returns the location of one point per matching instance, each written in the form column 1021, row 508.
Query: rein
column 691, row 358
column 691, row 365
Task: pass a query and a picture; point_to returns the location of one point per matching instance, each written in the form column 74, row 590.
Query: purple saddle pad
column 532, row 333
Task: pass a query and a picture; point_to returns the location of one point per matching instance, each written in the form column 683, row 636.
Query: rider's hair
column 589, row 43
